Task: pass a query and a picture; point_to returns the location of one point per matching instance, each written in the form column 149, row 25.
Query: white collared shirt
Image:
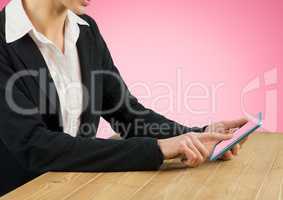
column 63, row 67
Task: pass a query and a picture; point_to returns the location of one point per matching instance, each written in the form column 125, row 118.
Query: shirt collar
column 18, row 24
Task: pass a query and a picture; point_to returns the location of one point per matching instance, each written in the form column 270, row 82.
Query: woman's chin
column 80, row 10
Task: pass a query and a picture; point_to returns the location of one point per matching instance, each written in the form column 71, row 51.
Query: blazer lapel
column 34, row 62
column 31, row 57
column 89, row 62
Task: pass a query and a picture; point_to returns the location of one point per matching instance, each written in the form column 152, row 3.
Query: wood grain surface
column 257, row 173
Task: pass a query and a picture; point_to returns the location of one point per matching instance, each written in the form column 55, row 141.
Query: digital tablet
column 238, row 136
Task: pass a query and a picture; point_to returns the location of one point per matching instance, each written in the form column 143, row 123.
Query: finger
column 227, row 156
column 190, row 156
column 220, row 136
column 220, row 128
column 232, row 130
column 243, row 141
column 235, row 123
column 191, row 145
column 201, row 148
column 235, row 150
column 216, row 127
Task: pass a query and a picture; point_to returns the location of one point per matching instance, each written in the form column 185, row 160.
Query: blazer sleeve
column 40, row 150
column 123, row 111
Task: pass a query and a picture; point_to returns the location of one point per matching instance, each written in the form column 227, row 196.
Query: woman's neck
column 48, row 17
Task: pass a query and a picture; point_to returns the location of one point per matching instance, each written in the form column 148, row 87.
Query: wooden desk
column 257, row 173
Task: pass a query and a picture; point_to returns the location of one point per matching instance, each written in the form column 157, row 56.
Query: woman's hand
column 228, row 127
column 193, row 149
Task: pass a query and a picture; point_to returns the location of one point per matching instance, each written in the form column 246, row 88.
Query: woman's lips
column 86, row 2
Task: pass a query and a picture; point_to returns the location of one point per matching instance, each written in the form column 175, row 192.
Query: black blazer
column 32, row 144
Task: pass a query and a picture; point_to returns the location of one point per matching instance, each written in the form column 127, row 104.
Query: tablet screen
column 238, row 136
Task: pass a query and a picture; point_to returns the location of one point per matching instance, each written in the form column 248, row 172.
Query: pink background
column 210, row 42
